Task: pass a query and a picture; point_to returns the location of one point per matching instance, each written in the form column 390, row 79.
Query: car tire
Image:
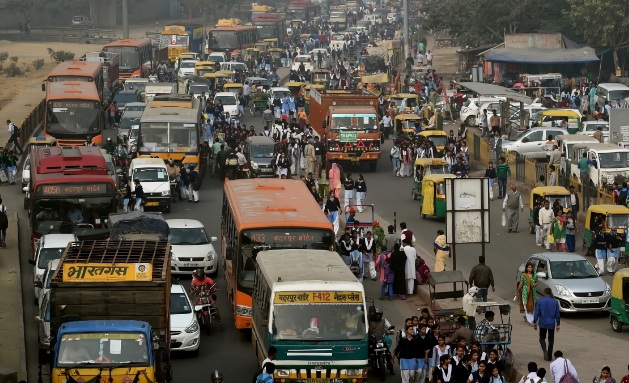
column 470, row 121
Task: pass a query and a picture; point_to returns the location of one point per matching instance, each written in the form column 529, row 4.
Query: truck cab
column 153, row 176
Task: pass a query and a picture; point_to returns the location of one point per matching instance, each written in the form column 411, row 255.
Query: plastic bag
column 3, row 176
column 504, row 219
column 372, row 271
column 551, row 238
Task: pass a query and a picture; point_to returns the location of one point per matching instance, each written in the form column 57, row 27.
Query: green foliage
column 27, row 68
column 19, row 6
column 3, row 57
column 38, row 64
column 13, row 59
column 59, row 56
column 13, row 70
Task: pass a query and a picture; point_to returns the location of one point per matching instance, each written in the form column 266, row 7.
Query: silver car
column 573, row 280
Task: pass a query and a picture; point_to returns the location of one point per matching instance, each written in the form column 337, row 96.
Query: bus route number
column 258, row 237
column 321, row 297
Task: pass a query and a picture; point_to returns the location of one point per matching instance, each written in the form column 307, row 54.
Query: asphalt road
column 231, row 353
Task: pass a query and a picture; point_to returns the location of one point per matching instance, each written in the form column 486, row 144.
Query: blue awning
column 534, row 55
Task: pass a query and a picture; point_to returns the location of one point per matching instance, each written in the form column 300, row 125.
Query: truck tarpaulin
column 132, row 223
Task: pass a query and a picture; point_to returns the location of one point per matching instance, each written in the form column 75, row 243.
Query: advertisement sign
column 107, row 272
column 467, row 210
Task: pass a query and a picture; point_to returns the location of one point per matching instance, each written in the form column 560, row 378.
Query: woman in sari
column 335, row 180
column 406, row 155
column 526, row 292
column 302, row 118
column 398, row 263
column 605, row 376
column 442, row 251
column 559, row 231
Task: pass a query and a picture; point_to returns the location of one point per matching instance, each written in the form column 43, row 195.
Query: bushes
column 13, row 70
column 59, row 56
column 3, row 57
column 38, row 64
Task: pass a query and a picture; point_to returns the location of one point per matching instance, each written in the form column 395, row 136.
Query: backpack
column 567, row 377
column 354, row 267
column 577, row 101
column 622, row 197
column 4, row 220
column 16, row 130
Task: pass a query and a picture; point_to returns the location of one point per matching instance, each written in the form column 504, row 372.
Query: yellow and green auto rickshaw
column 304, row 37
column 405, row 124
column 433, row 196
column 437, row 137
column 321, row 77
column 550, row 193
column 276, row 54
column 230, row 75
column 261, row 46
column 404, row 102
column 619, row 306
column 233, row 87
column 217, row 80
column 307, row 89
column 604, row 218
column 425, row 167
column 272, row 42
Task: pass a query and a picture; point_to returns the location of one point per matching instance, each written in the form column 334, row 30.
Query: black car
column 260, row 153
column 126, row 96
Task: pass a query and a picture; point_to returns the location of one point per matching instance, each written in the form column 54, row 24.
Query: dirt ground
column 19, row 95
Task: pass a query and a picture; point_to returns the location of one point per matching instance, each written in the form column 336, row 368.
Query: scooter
column 204, row 308
column 379, row 354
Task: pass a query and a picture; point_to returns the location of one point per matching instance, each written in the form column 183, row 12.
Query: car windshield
column 617, row 221
column 521, row 134
column 215, row 58
column 188, row 64
column 134, row 133
column 73, row 118
column 179, row 304
column 126, row 97
column 262, row 151
column 188, row 236
column 614, row 160
column 438, row 140
column 160, row 137
column 150, row 175
column 76, row 214
column 127, row 122
column 594, row 127
column 319, row 321
column 194, row 89
column 572, row 270
column 134, row 108
column 302, row 59
column 353, row 122
column 225, row 100
column 49, row 254
column 103, row 349
column 618, row 95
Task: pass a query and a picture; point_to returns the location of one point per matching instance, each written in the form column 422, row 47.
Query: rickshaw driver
column 488, row 332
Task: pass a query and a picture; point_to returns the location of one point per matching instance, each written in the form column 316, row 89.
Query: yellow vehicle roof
column 261, row 8
column 201, row 64
column 232, row 85
column 375, row 79
column 404, row 95
column 407, row 116
column 303, row 34
column 543, row 190
column 560, row 112
column 275, row 50
column 428, row 133
column 320, row 71
column 437, row 177
column 210, row 75
column 430, row 161
column 295, row 84
column 42, row 140
column 608, row 209
column 271, row 40
column 315, row 86
column 618, row 281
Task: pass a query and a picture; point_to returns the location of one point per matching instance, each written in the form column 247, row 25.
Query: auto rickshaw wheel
column 531, row 229
column 413, row 194
column 616, row 324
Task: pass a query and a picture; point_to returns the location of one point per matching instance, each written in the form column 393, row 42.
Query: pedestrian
column 357, row 265
column 194, row 184
column 15, row 135
column 605, row 376
column 367, row 247
column 625, row 378
column 421, row 272
column 442, row 251
column 266, row 376
column 348, row 186
column 559, row 231
column 496, row 376
column 407, row 160
column 538, row 228
column 494, row 122
column 335, row 180
column 484, row 123
column 546, row 216
column 469, row 306
column 482, row 277
column 390, row 240
column 406, row 233
column 311, row 157
column 378, row 233
column 532, row 375
column 481, row 375
column 332, row 207
column 574, row 202
column 513, row 201
column 398, row 265
column 11, row 162
column 111, row 113
column 601, row 250
column 405, row 352
column 387, row 277
column 443, row 373
column 345, row 245
column 548, row 317
column 395, row 158
column 584, row 168
column 571, row 232
column 409, row 268
column 490, row 173
column 527, row 292
column 502, row 172
column 462, row 369
column 139, row 196
column 497, row 145
column 552, row 176
column 614, row 240
column 272, row 355
column 560, row 367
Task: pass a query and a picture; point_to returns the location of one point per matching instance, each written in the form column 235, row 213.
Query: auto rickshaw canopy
column 604, row 210
column 262, row 47
column 233, row 87
column 230, row 75
column 275, row 52
column 559, row 113
column 547, row 190
column 382, row 78
column 295, row 86
column 430, row 133
column 304, row 37
column 430, row 161
column 429, row 191
column 617, row 284
column 272, row 42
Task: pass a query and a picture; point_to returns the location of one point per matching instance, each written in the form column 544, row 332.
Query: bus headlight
column 282, row 372
column 354, row 372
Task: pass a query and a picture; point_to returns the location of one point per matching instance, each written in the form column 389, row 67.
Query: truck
column 347, row 122
column 111, row 66
column 109, row 310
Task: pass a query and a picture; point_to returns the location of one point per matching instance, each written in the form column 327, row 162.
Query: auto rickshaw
column 604, row 218
column 437, row 137
column 406, row 99
column 425, row 167
column 552, row 117
column 203, row 67
column 261, row 46
column 276, row 54
column 296, row 87
column 304, row 38
column 217, row 80
column 550, row 193
column 321, row 77
column 272, row 42
column 433, row 195
column 307, row 89
column 619, row 306
column 228, row 74
column 295, row 24
column 233, row 87
column 405, row 124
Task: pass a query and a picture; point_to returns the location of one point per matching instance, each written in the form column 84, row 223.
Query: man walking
column 484, row 123
column 561, row 366
column 409, row 267
column 15, row 134
column 546, row 217
column 395, row 158
column 482, row 277
column 494, row 121
column 512, row 201
column 574, row 202
column 502, row 172
column 547, row 314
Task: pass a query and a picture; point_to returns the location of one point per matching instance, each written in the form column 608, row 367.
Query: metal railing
column 32, row 122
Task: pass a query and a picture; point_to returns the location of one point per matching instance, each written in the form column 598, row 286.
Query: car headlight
column 282, row 372
column 193, row 328
column 608, row 289
column 354, row 372
column 254, row 165
column 210, row 256
column 562, row 291
column 166, row 192
column 243, row 311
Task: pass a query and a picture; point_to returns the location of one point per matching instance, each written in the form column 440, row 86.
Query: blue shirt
column 75, row 216
column 547, row 312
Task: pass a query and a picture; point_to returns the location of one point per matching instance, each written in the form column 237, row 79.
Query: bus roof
column 274, row 203
column 72, row 91
column 77, row 68
column 172, row 108
column 302, row 266
column 129, row 43
column 59, row 164
column 235, row 28
column 270, row 17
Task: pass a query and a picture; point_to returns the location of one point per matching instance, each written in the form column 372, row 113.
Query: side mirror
column 43, row 86
column 214, row 239
column 32, row 262
column 525, row 139
column 542, row 274
column 25, row 189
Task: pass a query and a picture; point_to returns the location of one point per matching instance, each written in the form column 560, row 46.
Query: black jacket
column 348, row 184
column 361, row 186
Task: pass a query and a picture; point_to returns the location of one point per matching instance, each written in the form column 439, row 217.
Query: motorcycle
column 121, row 161
column 161, row 73
column 379, row 354
column 175, row 191
column 244, row 172
column 152, row 78
column 204, row 309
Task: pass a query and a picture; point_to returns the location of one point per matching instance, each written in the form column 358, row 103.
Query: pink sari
column 335, row 180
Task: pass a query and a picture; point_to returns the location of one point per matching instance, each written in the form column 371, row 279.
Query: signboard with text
column 107, row 272
column 73, row 190
column 349, row 136
column 287, row 297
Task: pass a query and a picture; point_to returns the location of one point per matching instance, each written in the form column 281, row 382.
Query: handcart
column 449, row 283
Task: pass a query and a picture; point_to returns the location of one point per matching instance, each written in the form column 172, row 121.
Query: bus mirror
column 43, row 86
column 25, row 189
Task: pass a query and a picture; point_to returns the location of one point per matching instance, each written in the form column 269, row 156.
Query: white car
column 279, row 92
column 186, row 68
column 184, row 328
column 588, row 128
column 305, row 59
column 325, row 55
column 191, row 247
column 48, row 248
column 43, row 285
column 216, row 57
column 470, row 112
column 229, row 101
column 43, row 317
column 391, row 17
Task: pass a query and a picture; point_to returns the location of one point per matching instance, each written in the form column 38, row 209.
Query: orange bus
column 136, row 56
column 78, row 71
column 263, row 214
column 231, row 39
column 73, row 112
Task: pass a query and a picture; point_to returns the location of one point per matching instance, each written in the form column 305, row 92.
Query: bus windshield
column 129, row 57
column 78, row 117
column 62, row 216
column 103, row 349
column 267, row 31
column 353, row 122
column 297, row 13
column 221, row 40
column 319, row 321
column 169, row 138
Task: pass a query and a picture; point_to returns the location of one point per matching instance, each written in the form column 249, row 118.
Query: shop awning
column 489, row 90
column 535, row 55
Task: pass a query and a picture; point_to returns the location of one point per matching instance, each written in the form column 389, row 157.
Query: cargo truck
column 347, row 122
column 109, row 313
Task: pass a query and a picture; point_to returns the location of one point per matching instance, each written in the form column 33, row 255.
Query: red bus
column 303, row 10
column 78, row 71
column 70, row 192
column 136, row 56
column 73, row 112
column 271, row 26
column 232, row 39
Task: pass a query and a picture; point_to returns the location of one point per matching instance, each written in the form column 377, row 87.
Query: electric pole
column 405, row 30
column 125, row 19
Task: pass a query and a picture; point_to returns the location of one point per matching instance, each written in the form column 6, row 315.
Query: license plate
column 152, row 204
column 590, row 300
column 190, row 264
column 355, row 159
column 266, row 169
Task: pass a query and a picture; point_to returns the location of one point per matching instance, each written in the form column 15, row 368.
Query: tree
column 22, row 7
column 603, row 22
